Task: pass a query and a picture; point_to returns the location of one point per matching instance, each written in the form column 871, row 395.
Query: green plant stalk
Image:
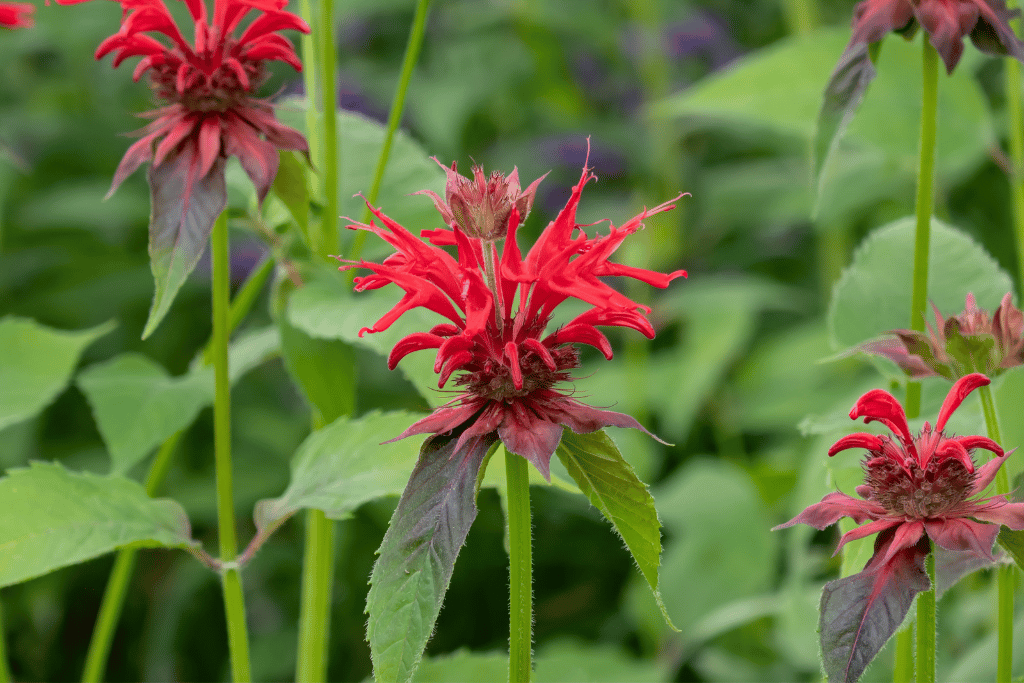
column 520, row 568
column 309, row 82
column 802, row 16
column 234, row 605
column 926, row 626
column 327, row 58
column 5, row 671
column 412, row 53
column 120, row 575
column 317, row 587
column 903, row 666
column 1005, row 575
column 1015, row 112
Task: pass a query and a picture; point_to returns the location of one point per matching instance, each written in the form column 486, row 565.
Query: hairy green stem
column 412, row 53
column 234, row 605
column 1015, row 115
column 926, row 626
column 309, row 83
column 903, row 666
column 327, row 57
column 1005, row 576
column 317, row 584
column 520, row 568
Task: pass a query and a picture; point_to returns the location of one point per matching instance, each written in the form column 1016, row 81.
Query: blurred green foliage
column 712, row 97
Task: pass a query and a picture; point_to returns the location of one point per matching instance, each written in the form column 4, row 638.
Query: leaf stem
column 1005, row 575
column 926, row 626
column 317, row 583
column 327, row 56
column 234, row 605
column 412, row 53
column 520, row 567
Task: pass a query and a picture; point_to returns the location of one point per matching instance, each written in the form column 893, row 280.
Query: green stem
column 328, row 57
column 5, row 672
column 234, row 605
column 1015, row 111
column 309, row 82
column 520, row 567
column 1005, row 576
column 317, row 581
column 802, row 16
column 903, row 667
column 244, row 300
column 926, row 626
column 412, row 53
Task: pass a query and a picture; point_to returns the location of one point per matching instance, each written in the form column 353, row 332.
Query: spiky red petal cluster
column 208, row 86
column 16, row 14
column 498, row 306
column 921, row 485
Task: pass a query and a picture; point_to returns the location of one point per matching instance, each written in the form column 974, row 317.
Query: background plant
column 730, row 378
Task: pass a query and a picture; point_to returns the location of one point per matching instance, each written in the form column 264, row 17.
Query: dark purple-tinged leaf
column 418, row 553
column 843, row 95
column 953, row 565
column 861, row 612
column 611, row 485
column 183, row 210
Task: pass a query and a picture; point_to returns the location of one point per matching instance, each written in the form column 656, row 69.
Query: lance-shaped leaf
column 346, row 464
column 37, row 364
column 843, row 94
column 53, row 518
column 612, row 486
column 418, row 553
column 183, row 210
column 292, row 187
column 138, row 405
column 861, row 612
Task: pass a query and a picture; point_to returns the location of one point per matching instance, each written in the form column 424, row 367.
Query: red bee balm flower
column 915, row 487
column 498, row 307
column 16, row 14
column 208, row 87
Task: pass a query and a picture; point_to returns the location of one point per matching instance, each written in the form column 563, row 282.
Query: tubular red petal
column 950, row 448
column 512, row 354
column 581, row 334
column 451, row 364
column 541, row 351
column 971, row 442
column 416, row 341
column 956, row 396
column 859, row 440
column 881, row 406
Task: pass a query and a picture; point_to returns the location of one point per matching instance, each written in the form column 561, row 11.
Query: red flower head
column 919, row 485
column 498, row 306
column 971, row 340
column 16, row 14
column 208, row 88
column 987, row 22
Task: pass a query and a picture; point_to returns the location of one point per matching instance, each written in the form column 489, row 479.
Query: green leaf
column 1013, row 542
column 418, row 553
column 326, row 308
column 54, row 518
column 138, row 405
column 37, row 364
column 873, row 295
column 292, row 187
column 610, row 484
column 325, row 370
column 346, row 464
column 183, row 211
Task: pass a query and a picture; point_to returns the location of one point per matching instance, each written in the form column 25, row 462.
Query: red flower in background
column 208, row 87
column 16, row 14
column 498, row 306
column 947, row 22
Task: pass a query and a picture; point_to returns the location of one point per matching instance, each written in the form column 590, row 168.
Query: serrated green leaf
column 37, row 364
column 345, row 464
column 138, row 405
column 1013, row 542
column 418, row 553
column 873, row 294
column 54, row 518
column 605, row 478
column 183, row 211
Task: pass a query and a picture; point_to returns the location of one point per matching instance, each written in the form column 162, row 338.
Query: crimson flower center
column 209, row 84
column 915, row 492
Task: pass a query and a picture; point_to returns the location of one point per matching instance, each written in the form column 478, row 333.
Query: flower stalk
column 926, row 626
column 317, row 588
column 238, row 636
column 520, row 567
column 412, row 53
column 5, row 672
column 326, row 55
column 1015, row 115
